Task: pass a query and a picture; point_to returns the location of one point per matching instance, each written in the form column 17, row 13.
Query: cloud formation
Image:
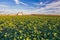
column 51, row 8
column 34, row 6
column 24, row 3
column 3, row 5
column 17, row 1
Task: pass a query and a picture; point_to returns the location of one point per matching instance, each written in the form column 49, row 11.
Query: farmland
column 29, row 27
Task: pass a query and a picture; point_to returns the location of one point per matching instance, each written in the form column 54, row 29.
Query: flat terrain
column 30, row 27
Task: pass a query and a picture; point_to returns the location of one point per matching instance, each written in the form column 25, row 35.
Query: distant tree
column 20, row 13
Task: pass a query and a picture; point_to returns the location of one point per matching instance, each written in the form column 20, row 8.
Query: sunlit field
column 29, row 27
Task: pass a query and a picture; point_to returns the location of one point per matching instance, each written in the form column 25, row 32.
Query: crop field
column 29, row 27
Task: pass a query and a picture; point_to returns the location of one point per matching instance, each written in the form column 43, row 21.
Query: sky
column 30, row 6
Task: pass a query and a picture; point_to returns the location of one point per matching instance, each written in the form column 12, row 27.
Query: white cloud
column 24, row 3
column 3, row 5
column 39, row 4
column 17, row 1
column 53, row 7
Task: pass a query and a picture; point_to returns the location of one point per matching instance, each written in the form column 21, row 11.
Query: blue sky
column 30, row 6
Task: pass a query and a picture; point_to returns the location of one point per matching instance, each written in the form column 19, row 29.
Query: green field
column 29, row 27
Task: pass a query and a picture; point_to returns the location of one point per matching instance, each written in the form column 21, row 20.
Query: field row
column 29, row 28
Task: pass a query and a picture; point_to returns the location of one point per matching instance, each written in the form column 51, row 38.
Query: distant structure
column 19, row 13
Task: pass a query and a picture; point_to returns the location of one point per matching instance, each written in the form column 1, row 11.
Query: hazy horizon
column 30, row 6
